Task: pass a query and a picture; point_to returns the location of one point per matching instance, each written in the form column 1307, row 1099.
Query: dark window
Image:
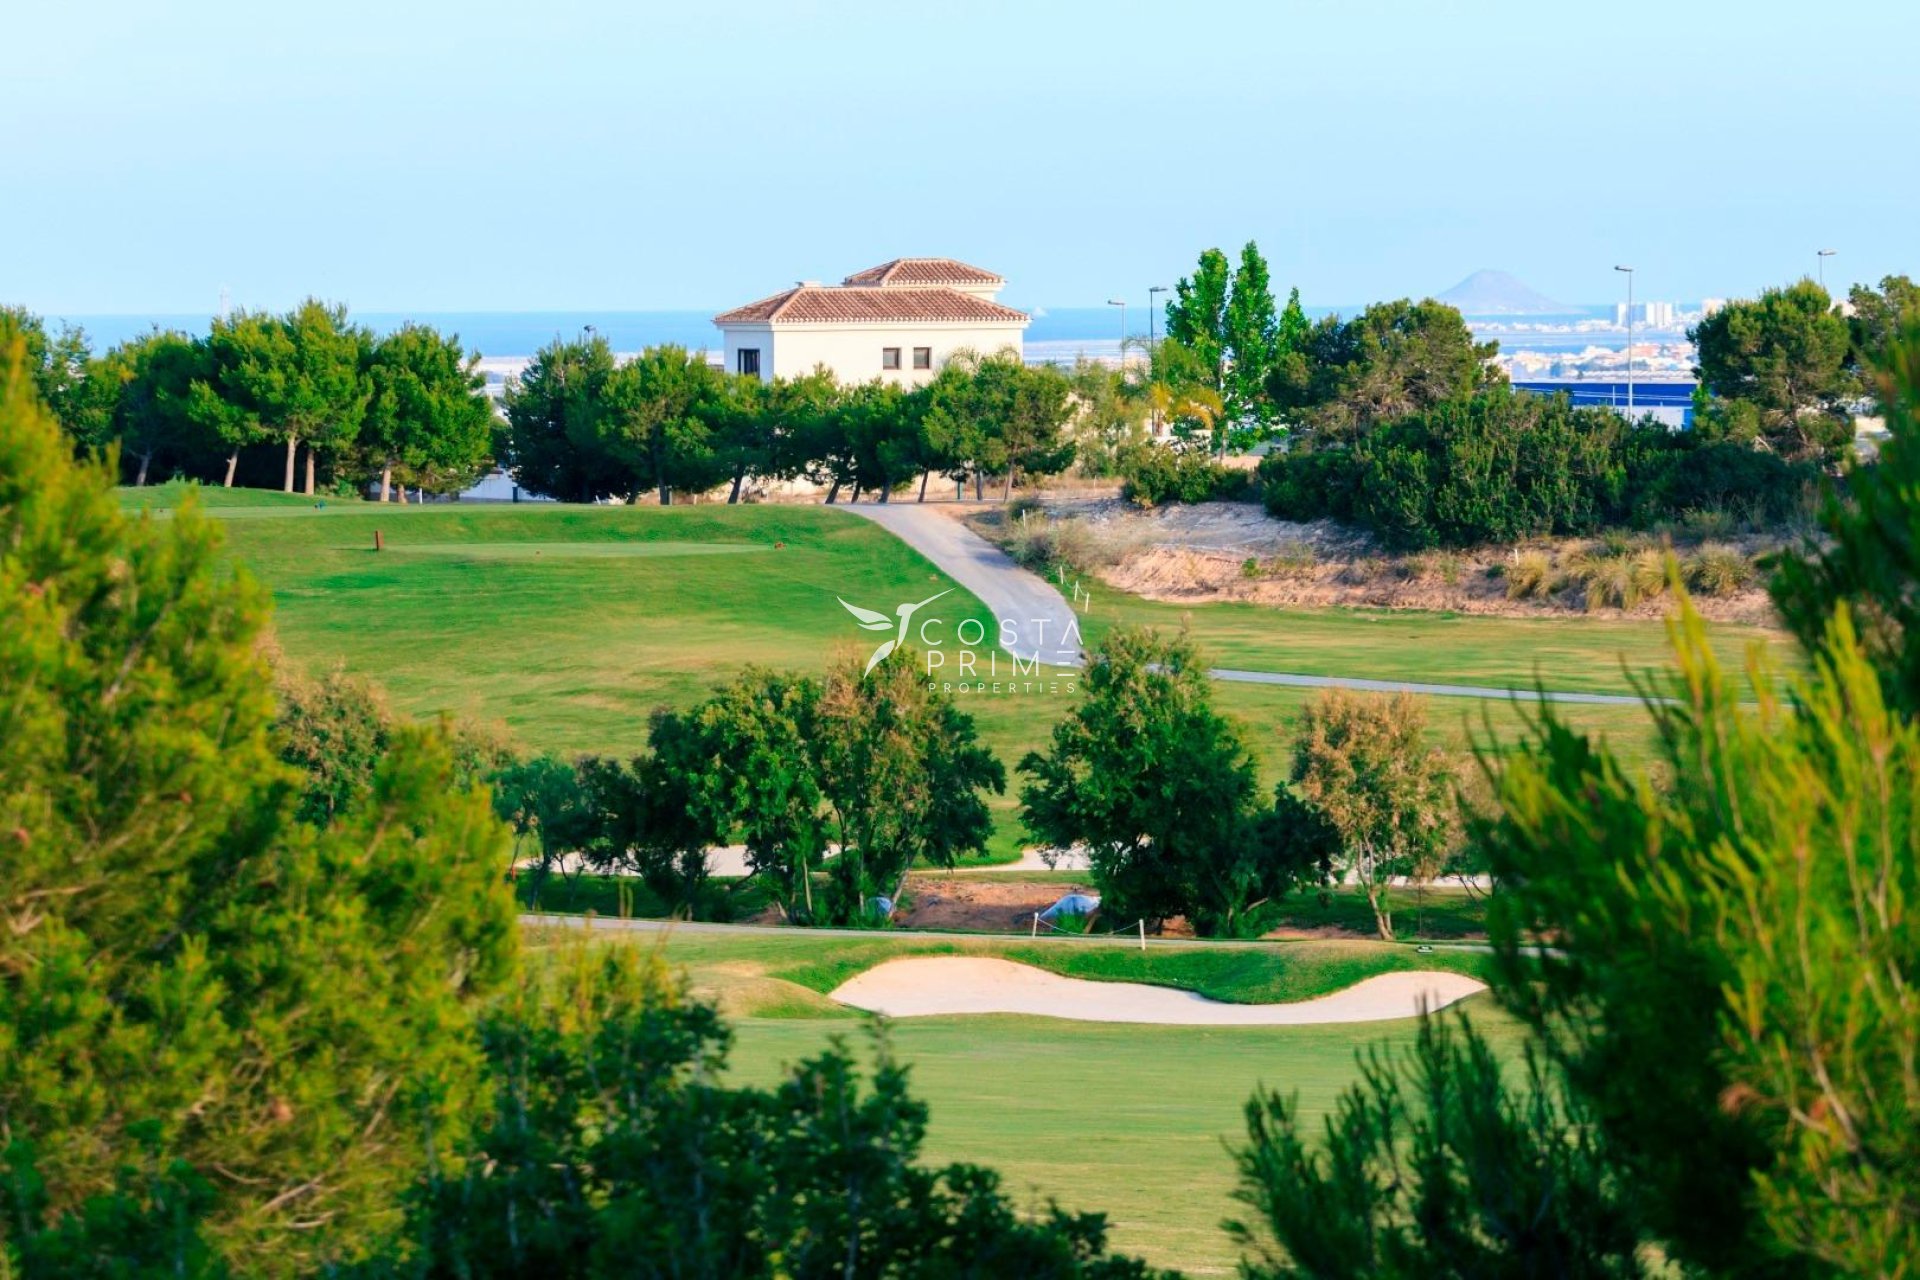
column 749, row 358
column 889, row 357
column 923, row 357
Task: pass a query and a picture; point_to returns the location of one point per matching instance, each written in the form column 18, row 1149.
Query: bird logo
column 872, row 621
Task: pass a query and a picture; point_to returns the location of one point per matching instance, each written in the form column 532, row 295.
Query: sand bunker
column 925, row 985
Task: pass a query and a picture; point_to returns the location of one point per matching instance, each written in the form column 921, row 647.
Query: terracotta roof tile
column 922, row 271
column 825, row 304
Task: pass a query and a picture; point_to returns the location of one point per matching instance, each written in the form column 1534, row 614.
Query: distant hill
column 1495, row 293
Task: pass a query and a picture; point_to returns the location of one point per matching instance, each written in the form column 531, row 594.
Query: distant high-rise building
column 1710, row 305
column 1655, row 315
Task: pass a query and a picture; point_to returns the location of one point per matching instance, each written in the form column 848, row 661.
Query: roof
column 828, row 304
column 912, row 272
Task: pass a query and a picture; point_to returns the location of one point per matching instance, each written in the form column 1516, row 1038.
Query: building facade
column 900, row 321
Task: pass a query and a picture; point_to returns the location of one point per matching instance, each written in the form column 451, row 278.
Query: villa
column 900, row 321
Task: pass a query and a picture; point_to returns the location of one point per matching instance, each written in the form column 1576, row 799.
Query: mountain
column 1495, row 293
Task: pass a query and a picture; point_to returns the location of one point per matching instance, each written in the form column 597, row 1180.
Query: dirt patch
column 1469, row 583
column 1235, row 551
column 951, row 902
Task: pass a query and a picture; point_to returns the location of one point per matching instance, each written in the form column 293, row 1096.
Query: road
column 1039, row 615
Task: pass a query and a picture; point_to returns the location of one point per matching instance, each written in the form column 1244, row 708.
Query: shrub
column 1719, row 570
column 1530, row 576
column 1250, row 567
column 1504, row 466
column 1156, row 475
column 1707, row 522
column 1619, row 577
column 1041, row 543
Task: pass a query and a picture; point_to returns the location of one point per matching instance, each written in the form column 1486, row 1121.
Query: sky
column 414, row 155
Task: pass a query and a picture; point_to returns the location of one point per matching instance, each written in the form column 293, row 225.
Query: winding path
column 1039, row 615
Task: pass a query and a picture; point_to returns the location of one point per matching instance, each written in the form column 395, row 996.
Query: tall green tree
column 1879, row 317
column 901, row 772
column 1197, row 315
column 1786, row 354
column 217, row 1022
column 62, row 367
column 552, row 440
column 1365, row 765
column 1344, row 377
column 1159, row 788
column 1750, row 915
column 747, row 757
column 1225, row 319
column 152, row 381
column 1029, row 407
column 295, row 378
column 427, row 414
column 1252, row 332
column 658, row 421
column 1108, row 417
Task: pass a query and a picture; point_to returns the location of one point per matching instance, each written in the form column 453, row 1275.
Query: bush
column 1531, row 576
column 1041, row 543
column 1156, row 475
column 1719, row 570
column 1505, row 466
column 1619, row 577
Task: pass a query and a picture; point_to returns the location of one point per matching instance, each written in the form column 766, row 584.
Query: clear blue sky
column 415, row 155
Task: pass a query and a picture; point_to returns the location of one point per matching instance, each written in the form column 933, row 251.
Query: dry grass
column 1718, row 570
column 1530, row 576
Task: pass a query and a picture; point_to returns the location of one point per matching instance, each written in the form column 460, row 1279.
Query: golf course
column 570, row 625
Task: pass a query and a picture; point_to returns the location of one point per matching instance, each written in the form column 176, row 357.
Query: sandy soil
column 1177, row 575
column 929, row 985
column 1198, row 554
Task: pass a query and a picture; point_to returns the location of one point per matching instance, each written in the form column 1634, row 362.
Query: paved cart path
column 1039, row 615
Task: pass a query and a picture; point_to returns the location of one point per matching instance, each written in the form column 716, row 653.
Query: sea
column 1056, row 336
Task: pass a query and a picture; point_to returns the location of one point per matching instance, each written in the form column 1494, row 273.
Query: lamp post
column 1629, row 273
column 1122, row 304
column 1820, row 256
column 1153, row 417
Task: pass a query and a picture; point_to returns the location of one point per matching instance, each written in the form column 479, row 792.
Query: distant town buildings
column 900, row 321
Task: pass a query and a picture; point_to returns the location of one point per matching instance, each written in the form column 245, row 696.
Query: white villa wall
column 853, row 351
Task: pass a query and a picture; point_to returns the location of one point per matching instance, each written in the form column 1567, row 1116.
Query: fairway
column 1129, row 1119
column 574, row 550
column 570, row 625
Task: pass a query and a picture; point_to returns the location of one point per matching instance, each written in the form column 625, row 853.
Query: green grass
column 749, row 969
column 1573, row 654
column 571, row 625
column 1132, row 1121
column 1129, row 1120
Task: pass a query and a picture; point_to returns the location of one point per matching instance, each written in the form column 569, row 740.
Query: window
column 749, row 358
column 923, row 357
column 889, row 357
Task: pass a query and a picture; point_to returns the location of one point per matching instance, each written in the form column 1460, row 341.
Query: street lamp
column 1820, row 256
column 1122, row 304
column 1153, row 418
column 1629, row 272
